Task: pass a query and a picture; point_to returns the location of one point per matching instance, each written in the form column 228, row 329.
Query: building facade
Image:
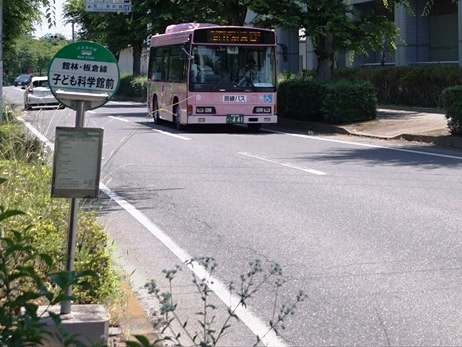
column 432, row 39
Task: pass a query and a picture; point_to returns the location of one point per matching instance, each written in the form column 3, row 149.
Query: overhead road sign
column 108, row 7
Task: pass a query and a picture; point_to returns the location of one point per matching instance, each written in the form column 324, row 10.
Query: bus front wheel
column 254, row 127
column 176, row 119
column 155, row 112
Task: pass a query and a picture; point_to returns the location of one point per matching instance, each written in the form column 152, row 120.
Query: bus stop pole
column 74, row 208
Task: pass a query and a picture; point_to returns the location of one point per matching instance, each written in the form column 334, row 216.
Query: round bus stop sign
column 84, row 67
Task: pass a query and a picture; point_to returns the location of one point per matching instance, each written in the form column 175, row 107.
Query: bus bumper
column 257, row 119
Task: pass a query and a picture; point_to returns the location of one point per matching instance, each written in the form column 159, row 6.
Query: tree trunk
column 137, row 47
column 325, row 54
column 236, row 12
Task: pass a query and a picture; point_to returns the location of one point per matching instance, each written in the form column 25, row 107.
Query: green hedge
column 407, row 86
column 132, row 88
column 339, row 102
column 452, row 101
column 300, row 100
column 347, row 102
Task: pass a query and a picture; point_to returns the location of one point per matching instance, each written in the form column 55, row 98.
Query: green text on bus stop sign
column 84, row 67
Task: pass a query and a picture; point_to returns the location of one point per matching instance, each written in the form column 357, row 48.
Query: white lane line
column 37, row 133
column 253, row 322
column 312, row 171
column 173, row 135
column 118, row 118
column 367, row 145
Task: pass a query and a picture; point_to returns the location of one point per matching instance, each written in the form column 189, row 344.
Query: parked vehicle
column 23, row 80
column 38, row 93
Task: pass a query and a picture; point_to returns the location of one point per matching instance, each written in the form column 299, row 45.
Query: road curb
column 441, row 140
column 135, row 319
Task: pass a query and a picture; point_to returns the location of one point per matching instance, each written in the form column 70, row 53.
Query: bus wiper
column 246, row 82
column 224, row 77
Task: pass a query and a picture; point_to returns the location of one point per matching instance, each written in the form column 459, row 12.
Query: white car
column 38, row 93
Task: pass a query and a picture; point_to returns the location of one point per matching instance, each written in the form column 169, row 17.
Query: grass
column 25, row 166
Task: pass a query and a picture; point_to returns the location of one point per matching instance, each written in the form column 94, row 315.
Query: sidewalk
column 410, row 125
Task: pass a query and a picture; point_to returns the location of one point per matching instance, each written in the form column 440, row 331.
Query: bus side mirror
column 184, row 51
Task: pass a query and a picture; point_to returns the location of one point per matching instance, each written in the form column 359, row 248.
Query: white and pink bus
column 211, row 74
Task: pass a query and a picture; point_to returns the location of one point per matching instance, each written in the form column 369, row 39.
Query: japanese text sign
column 84, row 67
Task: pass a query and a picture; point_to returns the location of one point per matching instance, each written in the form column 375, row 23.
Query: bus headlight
column 262, row 109
column 206, row 110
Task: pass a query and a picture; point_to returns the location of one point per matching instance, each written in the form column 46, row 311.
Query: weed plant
column 207, row 332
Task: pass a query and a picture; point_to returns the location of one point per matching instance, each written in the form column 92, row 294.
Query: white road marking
column 119, row 118
column 312, row 171
column 254, row 323
column 37, row 133
column 368, row 145
column 173, row 135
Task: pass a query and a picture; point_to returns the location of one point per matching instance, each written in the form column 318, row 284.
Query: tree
column 19, row 18
column 118, row 31
column 223, row 12
column 33, row 55
column 332, row 25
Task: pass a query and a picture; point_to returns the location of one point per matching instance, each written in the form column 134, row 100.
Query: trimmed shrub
column 339, row 102
column 345, row 102
column 300, row 100
column 452, row 101
column 407, row 86
column 132, row 88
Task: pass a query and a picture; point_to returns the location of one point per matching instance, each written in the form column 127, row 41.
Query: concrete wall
column 126, row 61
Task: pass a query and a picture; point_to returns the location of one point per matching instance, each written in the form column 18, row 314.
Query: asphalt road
column 369, row 229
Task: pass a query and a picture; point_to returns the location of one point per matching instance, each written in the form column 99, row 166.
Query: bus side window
column 176, row 67
column 193, row 76
column 164, row 64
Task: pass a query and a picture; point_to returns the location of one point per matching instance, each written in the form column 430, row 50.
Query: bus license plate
column 235, row 118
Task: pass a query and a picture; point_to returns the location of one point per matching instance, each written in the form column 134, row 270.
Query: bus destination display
column 234, row 36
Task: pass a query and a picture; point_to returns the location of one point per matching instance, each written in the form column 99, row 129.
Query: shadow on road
column 422, row 156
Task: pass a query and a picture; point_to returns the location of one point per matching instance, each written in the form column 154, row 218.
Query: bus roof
column 174, row 28
column 179, row 33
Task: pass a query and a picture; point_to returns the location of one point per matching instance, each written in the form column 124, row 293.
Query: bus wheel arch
column 155, row 110
column 177, row 114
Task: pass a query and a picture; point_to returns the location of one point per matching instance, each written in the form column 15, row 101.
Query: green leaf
column 143, row 339
column 10, row 213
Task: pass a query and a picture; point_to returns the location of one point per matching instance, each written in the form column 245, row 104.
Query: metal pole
column 1, row 60
column 66, row 304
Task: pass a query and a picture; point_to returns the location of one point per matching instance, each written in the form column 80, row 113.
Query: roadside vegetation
column 33, row 241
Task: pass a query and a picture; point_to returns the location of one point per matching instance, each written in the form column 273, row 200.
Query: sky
column 41, row 30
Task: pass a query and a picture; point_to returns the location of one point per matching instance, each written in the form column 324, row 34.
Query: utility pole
column 1, row 60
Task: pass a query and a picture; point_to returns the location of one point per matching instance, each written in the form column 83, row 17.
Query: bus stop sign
column 84, row 67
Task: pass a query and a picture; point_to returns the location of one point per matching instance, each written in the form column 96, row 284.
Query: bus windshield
column 228, row 66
